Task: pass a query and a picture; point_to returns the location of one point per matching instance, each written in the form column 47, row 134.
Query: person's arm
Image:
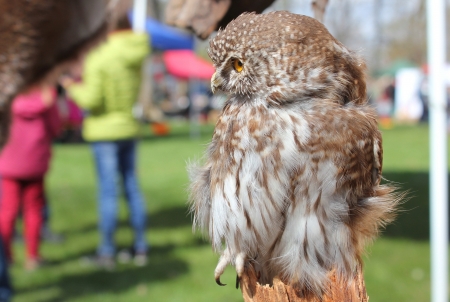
column 52, row 117
column 25, row 105
column 88, row 94
column 53, row 120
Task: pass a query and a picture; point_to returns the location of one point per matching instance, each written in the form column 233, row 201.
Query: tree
column 406, row 34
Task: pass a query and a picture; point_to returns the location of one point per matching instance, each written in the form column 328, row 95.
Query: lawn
column 181, row 263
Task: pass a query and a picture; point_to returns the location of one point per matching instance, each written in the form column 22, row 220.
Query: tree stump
column 338, row 291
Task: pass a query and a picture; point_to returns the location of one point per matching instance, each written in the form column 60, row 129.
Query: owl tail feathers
column 199, row 195
column 373, row 213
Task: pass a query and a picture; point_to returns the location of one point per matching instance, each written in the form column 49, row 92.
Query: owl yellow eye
column 238, row 65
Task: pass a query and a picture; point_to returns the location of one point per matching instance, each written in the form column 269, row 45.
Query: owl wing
column 335, row 200
column 378, row 159
column 200, row 194
column 241, row 194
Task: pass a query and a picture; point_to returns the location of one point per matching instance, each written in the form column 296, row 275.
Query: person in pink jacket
column 24, row 162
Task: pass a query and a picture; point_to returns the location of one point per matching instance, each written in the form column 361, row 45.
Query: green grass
column 181, row 263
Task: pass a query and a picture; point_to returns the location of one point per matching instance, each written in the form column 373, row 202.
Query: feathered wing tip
column 199, row 195
column 374, row 213
column 370, row 215
column 367, row 218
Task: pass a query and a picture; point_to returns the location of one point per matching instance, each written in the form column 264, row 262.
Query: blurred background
column 177, row 112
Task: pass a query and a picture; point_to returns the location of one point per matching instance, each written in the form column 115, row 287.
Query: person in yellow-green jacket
column 110, row 86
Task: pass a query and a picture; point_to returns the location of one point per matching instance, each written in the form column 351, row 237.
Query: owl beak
column 215, row 82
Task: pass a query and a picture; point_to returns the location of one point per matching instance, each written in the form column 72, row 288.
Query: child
column 23, row 163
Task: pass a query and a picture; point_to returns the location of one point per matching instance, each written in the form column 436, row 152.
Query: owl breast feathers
column 291, row 181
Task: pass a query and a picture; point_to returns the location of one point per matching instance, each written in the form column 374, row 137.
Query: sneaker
column 124, row 256
column 140, row 259
column 32, row 264
column 127, row 255
column 101, row 261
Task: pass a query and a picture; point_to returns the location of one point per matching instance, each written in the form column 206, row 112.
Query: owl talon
column 223, row 262
column 239, row 263
column 218, row 281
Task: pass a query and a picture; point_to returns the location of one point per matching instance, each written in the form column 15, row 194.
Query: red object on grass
column 186, row 65
column 160, row 129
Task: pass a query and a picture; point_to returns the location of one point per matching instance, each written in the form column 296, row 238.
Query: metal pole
column 438, row 150
column 139, row 15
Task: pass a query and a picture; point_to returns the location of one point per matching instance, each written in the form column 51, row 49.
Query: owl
column 291, row 179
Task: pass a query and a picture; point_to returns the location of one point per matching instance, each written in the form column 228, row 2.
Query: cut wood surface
column 338, row 291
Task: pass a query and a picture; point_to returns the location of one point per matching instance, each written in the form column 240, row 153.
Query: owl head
column 282, row 58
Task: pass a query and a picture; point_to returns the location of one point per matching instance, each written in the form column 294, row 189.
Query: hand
column 48, row 97
column 66, row 81
column 76, row 68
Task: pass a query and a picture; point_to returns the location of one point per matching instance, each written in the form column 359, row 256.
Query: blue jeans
column 113, row 158
column 5, row 285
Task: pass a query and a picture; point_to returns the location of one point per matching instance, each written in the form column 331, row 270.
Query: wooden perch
column 339, row 290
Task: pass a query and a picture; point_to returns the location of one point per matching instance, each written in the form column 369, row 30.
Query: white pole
column 139, row 15
column 438, row 150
